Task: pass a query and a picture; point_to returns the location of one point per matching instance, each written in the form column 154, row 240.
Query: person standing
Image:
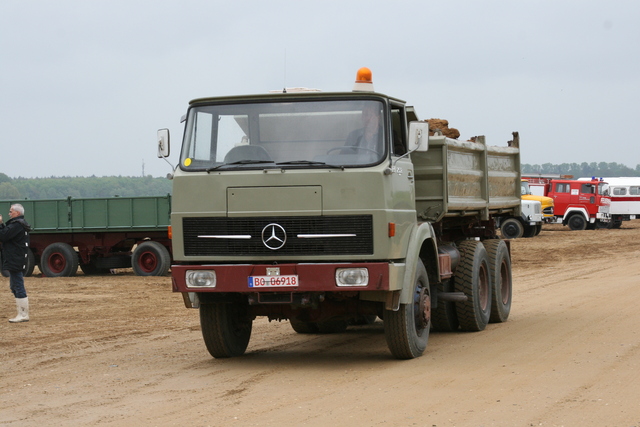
column 14, row 236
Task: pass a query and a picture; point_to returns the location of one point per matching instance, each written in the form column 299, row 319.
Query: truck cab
column 545, row 202
column 580, row 204
column 329, row 209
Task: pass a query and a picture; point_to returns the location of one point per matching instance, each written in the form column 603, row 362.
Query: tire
column 302, row 327
column 501, row 280
column 59, row 260
column 529, row 231
column 334, row 326
column 444, row 317
column 150, row 259
column 511, row 228
column 538, row 228
column 473, row 278
column 5, row 273
column 577, row 222
column 226, row 328
column 407, row 330
column 368, row 319
column 31, row 263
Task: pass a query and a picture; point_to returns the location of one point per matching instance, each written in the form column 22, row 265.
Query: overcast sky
column 84, row 85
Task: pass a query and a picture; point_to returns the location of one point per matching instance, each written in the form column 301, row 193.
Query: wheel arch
column 573, row 211
column 422, row 246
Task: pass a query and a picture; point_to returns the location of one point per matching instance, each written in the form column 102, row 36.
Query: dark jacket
column 14, row 235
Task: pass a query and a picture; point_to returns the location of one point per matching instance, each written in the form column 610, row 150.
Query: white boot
column 23, row 310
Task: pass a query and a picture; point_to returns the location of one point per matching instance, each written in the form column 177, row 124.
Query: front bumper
column 310, row 277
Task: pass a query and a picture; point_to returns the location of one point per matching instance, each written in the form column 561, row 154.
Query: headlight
column 200, row 278
column 352, row 277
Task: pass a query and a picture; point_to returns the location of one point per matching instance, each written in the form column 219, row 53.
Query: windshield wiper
column 240, row 162
column 308, row 162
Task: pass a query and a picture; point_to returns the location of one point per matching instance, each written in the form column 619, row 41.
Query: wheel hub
column 424, row 309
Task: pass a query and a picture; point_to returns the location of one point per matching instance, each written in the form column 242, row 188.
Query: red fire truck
column 578, row 204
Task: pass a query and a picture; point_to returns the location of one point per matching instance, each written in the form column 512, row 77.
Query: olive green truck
column 97, row 235
column 337, row 209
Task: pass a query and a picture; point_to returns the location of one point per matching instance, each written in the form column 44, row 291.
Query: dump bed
column 456, row 178
column 95, row 214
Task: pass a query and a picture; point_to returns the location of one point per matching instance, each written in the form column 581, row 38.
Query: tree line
column 579, row 170
column 129, row 186
column 81, row 187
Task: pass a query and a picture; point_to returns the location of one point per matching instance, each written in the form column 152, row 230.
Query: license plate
column 272, row 281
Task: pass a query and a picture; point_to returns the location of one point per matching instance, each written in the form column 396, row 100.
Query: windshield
column 603, row 188
column 278, row 134
column 524, row 188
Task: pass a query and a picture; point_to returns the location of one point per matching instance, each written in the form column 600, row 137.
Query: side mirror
column 418, row 136
column 163, row 143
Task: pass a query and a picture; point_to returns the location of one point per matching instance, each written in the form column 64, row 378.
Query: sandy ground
column 122, row 350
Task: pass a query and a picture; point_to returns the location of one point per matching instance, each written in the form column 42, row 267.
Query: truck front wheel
column 226, row 328
column 500, row 269
column 59, row 260
column 511, row 228
column 472, row 277
column 407, row 330
column 577, row 222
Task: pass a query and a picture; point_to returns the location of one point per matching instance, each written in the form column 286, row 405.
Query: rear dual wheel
column 332, row 326
column 473, row 278
column 501, row 281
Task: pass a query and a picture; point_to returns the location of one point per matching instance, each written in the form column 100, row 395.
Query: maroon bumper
column 310, row 277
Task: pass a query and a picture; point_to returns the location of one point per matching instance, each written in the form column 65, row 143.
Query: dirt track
column 122, row 350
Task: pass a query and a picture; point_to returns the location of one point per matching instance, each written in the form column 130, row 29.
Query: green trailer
column 98, row 234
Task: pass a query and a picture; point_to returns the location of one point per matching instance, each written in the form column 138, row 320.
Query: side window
column 562, row 188
column 399, row 145
column 634, row 191
column 587, row 188
column 619, row 191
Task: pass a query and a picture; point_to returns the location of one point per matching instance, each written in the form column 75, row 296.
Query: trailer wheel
column 577, row 222
column 226, row 328
column 407, row 330
column 334, row 326
column 303, row 327
column 472, row 277
column 4, row 272
column 444, row 317
column 151, row 259
column 511, row 228
column 31, row 263
column 500, row 269
column 59, row 260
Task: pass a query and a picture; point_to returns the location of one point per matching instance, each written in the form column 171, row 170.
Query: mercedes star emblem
column 274, row 236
